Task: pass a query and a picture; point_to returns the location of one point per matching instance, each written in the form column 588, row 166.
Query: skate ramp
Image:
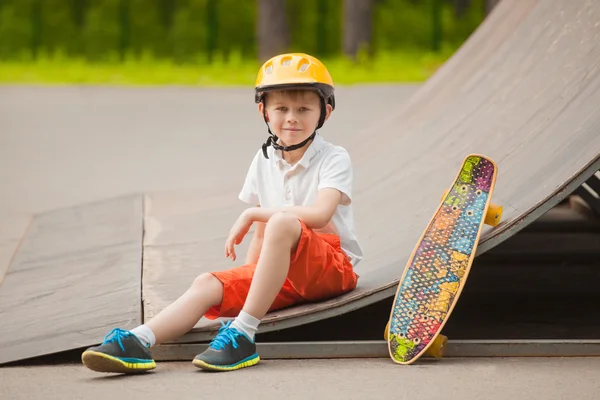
column 76, row 271
column 523, row 90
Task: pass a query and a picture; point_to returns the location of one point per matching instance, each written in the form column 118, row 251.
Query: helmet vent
column 269, row 69
column 286, row 62
column 303, row 67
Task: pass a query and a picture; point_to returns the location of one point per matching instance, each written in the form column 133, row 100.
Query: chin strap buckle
column 272, row 141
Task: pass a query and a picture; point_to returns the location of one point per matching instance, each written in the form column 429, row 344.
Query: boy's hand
column 237, row 233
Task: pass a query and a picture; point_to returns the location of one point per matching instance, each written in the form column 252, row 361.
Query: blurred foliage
column 382, row 68
column 197, row 31
column 409, row 24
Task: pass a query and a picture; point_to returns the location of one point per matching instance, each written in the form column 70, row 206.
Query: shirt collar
column 313, row 149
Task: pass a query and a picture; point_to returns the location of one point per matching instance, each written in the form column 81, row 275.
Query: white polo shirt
column 273, row 183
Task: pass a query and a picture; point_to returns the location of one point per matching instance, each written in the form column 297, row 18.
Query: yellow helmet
column 294, row 70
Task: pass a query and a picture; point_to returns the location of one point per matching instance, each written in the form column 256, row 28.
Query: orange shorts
column 319, row 270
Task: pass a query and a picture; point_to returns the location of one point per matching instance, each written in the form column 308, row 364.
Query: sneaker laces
column 225, row 336
column 116, row 335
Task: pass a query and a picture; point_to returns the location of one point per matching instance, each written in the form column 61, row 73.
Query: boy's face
column 294, row 116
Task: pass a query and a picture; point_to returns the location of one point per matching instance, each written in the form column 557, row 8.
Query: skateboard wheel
column 438, row 347
column 385, row 333
column 494, row 215
column 445, row 194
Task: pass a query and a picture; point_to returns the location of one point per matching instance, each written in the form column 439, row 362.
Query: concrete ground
column 476, row 378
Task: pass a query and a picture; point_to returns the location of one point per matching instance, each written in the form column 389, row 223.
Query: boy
column 304, row 248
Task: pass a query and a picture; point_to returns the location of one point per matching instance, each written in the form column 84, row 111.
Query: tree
column 489, row 5
column 272, row 29
column 358, row 27
column 461, row 7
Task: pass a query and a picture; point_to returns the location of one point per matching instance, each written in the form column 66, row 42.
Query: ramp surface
column 77, row 272
column 12, row 231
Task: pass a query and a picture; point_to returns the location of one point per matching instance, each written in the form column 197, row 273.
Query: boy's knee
column 208, row 287
column 206, row 281
column 283, row 224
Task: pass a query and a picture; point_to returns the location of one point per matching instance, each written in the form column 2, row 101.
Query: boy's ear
column 261, row 108
column 328, row 111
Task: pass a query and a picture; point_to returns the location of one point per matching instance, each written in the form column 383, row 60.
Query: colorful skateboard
column 440, row 263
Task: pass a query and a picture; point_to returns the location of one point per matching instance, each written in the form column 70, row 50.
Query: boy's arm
column 256, row 243
column 315, row 217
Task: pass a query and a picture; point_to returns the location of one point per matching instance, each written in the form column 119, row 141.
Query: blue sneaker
column 121, row 351
column 228, row 351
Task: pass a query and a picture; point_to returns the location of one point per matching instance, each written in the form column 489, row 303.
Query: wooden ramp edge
column 76, row 274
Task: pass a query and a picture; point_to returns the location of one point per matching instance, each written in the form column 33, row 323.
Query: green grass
column 397, row 67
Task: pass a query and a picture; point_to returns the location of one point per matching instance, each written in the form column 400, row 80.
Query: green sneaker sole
column 243, row 364
column 101, row 362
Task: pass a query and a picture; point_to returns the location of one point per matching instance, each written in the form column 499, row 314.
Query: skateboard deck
column 437, row 270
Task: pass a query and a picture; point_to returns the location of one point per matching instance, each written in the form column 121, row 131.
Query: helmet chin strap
column 272, row 140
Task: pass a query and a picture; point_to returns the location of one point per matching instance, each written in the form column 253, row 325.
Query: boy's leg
column 127, row 351
column 181, row 315
column 234, row 348
column 280, row 239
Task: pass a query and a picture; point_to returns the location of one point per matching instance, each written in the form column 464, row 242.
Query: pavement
column 449, row 379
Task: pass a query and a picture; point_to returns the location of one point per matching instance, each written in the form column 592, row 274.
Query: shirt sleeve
column 249, row 193
column 336, row 172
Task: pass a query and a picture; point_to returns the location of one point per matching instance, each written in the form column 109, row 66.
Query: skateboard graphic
column 437, row 270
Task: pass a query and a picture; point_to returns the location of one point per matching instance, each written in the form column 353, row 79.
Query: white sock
column 145, row 335
column 246, row 323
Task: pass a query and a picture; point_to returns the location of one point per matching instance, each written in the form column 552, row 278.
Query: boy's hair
column 294, row 93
